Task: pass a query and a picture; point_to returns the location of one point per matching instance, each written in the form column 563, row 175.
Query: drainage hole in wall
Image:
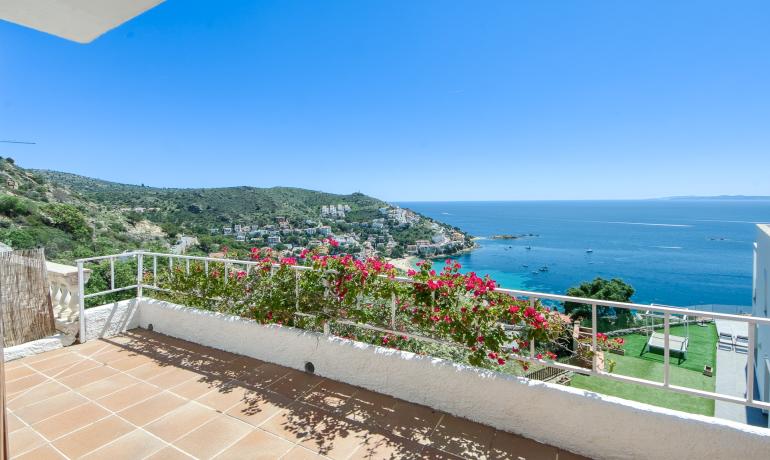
column 309, row 367
column 149, row 327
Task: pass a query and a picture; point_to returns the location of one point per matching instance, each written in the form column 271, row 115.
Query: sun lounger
column 741, row 344
column 726, row 341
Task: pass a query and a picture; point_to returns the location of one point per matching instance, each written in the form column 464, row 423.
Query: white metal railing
column 594, row 370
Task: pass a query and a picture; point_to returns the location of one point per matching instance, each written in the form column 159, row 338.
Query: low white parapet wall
column 111, row 319
column 580, row 421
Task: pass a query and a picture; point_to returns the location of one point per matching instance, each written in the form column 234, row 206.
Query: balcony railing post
column 750, row 363
column 594, row 330
column 296, row 290
column 393, row 311
column 112, row 273
column 139, row 274
column 666, row 349
column 81, row 302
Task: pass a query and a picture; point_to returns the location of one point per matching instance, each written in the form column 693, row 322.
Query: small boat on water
column 544, row 268
column 589, row 251
column 528, row 248
column 525, row 266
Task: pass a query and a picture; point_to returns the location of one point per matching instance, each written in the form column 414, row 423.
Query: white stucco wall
column 583, row 422
column 761, row 308
column 111, row 319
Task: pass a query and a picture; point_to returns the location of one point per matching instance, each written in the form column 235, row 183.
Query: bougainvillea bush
column 429, row 311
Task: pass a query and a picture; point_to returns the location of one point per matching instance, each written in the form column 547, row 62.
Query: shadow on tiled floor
column 146, row 395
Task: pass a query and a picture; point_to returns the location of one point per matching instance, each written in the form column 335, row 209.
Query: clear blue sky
column 405, row 100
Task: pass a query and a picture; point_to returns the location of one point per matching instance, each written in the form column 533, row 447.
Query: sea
column 680, row 252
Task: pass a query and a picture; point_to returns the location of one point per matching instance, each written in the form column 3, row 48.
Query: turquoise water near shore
column 674, row 252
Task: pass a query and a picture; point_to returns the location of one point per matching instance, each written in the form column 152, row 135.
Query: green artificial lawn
column 701, row 351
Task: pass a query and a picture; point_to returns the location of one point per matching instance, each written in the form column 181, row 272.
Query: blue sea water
column 673, row 252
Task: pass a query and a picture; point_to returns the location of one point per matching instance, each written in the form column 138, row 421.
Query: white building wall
column 761, row 307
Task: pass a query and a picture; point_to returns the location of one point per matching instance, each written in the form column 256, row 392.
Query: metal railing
column 594, row 370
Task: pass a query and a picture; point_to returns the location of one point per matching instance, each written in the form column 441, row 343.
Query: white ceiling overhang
column 78, row 20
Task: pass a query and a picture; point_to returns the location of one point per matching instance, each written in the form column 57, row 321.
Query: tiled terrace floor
column 145, row 395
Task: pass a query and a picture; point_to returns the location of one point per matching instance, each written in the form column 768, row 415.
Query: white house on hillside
column 761, row 307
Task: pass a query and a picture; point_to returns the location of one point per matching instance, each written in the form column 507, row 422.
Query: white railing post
column 750, row 363
column 594, row 330
column 155, row 271
column 393, row 311
column 666, row 349
column 81, row 303
column 112, row 273
column 296, row 290
column 139, row 274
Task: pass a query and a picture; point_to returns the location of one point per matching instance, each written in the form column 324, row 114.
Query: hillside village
column 369, row 238
column 74, row 216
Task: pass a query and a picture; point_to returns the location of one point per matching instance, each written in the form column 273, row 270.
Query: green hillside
column 75, row 216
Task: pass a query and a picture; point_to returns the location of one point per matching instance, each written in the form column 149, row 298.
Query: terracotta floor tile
column 86, row 377
column 45, row 452
column 152, row 409
column 65, row 371
column 296, row 423
column 336, row 437
column 96, row 435
column 24, row 440
column 506, row 446
column 104, row 387
column 17, row 373
column 257, row 445
column 462, row 437
column 57, row 362
column 264, row 375
column 369, row 407
column 127, row 362
column 226, row 397
column 14, row 422
column 36, row 412
column 58, row 353
column 295, row 384
column 300, row 453
column 24, row 383
column 330, row 395
column 135, row 445
column 169, row 453
column 213, row 437
column 256, row 407
column 91, row 348
column 193, row 389
column 181, row 421
column 149, row 370
column 69, row 421
column 412, row 421
column 37, row 394
column 565, row 455
column 128, row 396
column 380, row 445
column 173, row 377
column 429, row 453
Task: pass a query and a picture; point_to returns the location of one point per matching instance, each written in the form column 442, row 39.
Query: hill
column 76, row 216
column 35, row 211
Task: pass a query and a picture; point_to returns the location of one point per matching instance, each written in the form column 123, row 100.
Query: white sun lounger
column 726, row 341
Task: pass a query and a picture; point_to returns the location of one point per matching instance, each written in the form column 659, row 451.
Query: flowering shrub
column 465, row 311
column 604, row 344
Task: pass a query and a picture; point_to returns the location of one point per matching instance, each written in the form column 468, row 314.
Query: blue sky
column 405, row 100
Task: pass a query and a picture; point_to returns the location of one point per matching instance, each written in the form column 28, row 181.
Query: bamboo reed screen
column 25, row 297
